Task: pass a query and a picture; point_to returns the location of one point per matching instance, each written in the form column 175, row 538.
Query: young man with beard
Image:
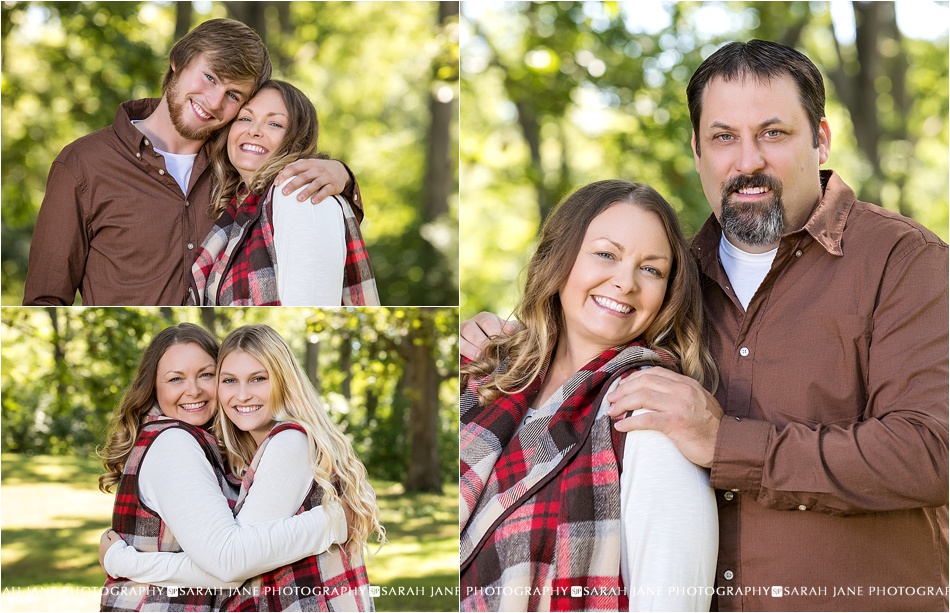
column 127, row 206
column 827, row 437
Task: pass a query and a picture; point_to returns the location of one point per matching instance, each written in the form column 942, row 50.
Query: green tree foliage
column 572, row 92
column 404, row 408
column 64, row 371
column 370, row 70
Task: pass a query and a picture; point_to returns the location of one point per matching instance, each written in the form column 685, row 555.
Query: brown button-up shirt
column 115, row 225
column 831, row 463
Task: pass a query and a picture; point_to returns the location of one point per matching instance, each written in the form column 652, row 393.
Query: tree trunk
column 439, row 176
column 313, row 363
column 423, row 474
column 60, row 372
column 183, row 12
column 372, row 403
column 208, row 319
column 252, row 14
column 346, row 365
column 287, row 32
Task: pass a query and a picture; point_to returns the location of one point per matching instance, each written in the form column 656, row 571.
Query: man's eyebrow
column 771, row 121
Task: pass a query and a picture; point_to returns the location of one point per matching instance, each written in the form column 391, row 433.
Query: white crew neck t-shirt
column 179, row 165
column 745, row 270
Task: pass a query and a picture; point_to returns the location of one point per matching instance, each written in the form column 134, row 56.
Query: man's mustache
column 743, row 181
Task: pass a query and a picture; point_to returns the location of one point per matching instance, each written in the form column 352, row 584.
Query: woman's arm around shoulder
column 282, row 481
column 177, row 482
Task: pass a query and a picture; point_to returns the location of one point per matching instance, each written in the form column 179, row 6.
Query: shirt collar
column 137, row 110
column 825, row 224
column 129, row 111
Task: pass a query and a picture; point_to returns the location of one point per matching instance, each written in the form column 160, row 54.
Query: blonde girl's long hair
column 678, row 326
column 300, row 141
column 336, row 469
column 140, row 397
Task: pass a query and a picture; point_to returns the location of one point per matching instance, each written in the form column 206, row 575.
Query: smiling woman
column 611, row 289
column 184, row 385
column 267, row 248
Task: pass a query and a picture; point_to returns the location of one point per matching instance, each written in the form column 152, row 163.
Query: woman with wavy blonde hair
column 266, row 248
column 278, row 435
column 174, row 493
column 559, row 511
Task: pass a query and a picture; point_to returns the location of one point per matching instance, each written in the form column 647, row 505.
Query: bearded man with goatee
column 827, row 438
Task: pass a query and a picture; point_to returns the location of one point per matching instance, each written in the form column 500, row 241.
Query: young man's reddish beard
column 177, row 109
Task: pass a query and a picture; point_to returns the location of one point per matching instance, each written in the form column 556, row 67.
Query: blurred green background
column 388, row 377
column 556, row 95
column 384, row 80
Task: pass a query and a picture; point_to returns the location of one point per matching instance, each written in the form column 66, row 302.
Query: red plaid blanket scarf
column 331, row 581
column 143, row 529
column 540, row 509
column 237, row 265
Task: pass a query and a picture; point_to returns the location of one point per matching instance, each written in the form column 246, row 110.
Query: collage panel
column 160, row 424
column 230, row 156
column 704, row 296
column 215, row 153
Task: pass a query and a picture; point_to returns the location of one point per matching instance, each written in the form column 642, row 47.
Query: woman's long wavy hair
column 678, row 325
column 293, row 398
column 140, row 397
column 300, row 141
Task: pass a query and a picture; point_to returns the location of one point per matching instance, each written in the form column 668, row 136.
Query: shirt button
column 802, row 507
column 160, row 171
column 798, row 253
column 728, row 495
column 147, row 143
column 187, row 203
column 138, row 155
column 744, row 351
column 191, row 245
column 728, row 575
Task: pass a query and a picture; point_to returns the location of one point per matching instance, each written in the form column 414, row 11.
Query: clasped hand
column 680, row 407
column 677, row 405
column 325, row 178
column 108, row 538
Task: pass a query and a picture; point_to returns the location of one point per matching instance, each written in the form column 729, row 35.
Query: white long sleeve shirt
column 221, row 550
column 310, row 242
column 669, row 524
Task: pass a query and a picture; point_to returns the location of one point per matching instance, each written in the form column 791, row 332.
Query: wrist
column 336, row 521
column 109, row 559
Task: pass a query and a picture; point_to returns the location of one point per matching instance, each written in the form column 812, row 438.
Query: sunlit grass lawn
column 52, row 514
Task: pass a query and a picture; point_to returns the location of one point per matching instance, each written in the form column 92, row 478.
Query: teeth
column 248, row 408
column 253, row 148
column 613, row 305
column 194, row 406
column 752, row 190
column 200, row 111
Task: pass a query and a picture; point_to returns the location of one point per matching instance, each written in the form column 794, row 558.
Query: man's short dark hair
column 763, row 60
